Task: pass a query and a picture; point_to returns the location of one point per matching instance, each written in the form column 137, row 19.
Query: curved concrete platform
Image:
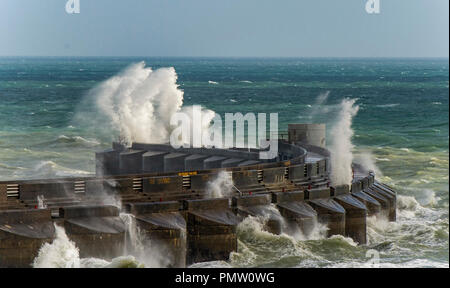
column 166, row 192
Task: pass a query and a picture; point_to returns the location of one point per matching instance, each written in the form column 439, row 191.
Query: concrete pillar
column 164, row 228
column 98, row 231
column 174, row 162
column 131, row 162
column 195, row 162
column 373, row 206
column 390, row 197
column 22, row 233
column 213, row 162
column 330, row 213
column 295, row 210
column 355, row 218
column 384, row 202
column 211, row 230
column 311, row 134
column 107, row 163
column 153, row 162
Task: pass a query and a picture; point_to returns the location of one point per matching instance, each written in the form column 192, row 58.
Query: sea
column 56, row 112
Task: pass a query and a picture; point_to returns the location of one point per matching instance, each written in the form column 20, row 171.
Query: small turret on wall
column 311, row 134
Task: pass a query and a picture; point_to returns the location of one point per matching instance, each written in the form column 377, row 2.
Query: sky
column 225, row 28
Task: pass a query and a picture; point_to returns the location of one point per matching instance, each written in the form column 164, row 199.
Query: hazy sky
column 299, row 28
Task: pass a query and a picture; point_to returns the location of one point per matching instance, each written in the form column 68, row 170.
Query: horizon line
column 227, row 57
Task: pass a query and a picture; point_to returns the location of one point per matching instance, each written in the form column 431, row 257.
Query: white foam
column 221, row 186
column 341, row 144
column 61, row 253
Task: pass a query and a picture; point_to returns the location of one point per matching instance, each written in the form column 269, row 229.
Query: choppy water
column 402, row 127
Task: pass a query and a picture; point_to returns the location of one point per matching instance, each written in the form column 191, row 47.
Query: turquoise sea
column 402, row 129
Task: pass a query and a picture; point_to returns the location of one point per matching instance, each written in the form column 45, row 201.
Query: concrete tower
column 312, row 134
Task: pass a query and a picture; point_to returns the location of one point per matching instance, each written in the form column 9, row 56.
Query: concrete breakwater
column 167, row 194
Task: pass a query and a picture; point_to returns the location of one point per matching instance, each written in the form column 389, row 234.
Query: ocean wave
column 63, row 253
column 416, row 263
column 8, row 167
column 70, row 141
column 213, row 82
column 387, row 105
column 49, row 169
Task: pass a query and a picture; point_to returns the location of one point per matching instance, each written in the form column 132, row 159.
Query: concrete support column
column 211, row 230
column 163, row 228
column 355, row 218
column 97, row 231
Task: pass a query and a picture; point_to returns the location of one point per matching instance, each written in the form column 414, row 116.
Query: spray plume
column 341, row 144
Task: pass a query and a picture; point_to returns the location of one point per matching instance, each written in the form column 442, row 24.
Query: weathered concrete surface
column 213, row 162
column 22, row 233
column 153, row 161
column 274, row 175
column 163, row 227
column 392, row 198
column 373, row 206
column 211, row 230
column 317, row 193
column 313, row 134
column 295, row 210
column 355, row 217
column 233, row 162
column 195, row 162
column 131, row 161
column 97, row 231
column 107, row 162
column 330, row 213
column 384, row 202
column 174, row 162
column 248, row 163
column 298, row 172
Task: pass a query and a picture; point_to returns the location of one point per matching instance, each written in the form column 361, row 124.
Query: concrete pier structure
column 166, row 192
